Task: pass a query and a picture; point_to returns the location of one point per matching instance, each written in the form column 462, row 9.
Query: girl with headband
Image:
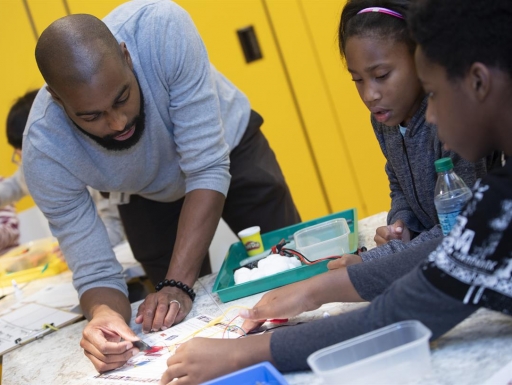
column 469, row 83
column 379, row 53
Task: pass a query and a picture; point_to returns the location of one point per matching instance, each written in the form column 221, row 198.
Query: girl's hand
column 397, row 230
column 284, row 302
column 202, row 359
column 344, row 261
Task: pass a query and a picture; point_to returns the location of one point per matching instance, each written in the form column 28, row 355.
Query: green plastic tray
column 225, row 283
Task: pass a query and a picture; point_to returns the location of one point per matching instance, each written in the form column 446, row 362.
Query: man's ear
column 54, row 95
column 479, row 81
column 126, row 55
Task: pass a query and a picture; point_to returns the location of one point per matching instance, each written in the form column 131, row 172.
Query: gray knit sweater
column 412, row 178
column 194, row 117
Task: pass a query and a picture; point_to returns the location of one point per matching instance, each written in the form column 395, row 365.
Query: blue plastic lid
column 264, row 373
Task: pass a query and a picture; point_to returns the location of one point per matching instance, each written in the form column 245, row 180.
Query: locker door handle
column 249, row 43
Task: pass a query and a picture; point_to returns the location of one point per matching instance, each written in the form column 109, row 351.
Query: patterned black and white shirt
column 474, row 262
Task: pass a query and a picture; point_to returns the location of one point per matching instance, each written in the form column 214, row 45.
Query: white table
column 468, row 354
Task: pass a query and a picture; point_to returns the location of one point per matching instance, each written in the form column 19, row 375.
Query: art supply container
column 32, row 260
column 323, row 240
column 263, row 373
column 251, row 239
column 396, row 353
column 225, row 286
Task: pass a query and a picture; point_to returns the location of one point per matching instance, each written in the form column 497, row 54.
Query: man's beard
column 111, row 144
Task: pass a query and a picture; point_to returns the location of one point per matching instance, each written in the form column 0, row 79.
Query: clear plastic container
column 390, row 355
column 32, row 260
column 323, row 240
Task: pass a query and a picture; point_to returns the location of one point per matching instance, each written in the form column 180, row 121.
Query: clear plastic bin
column 323, row 240
column 32, row 260
column 390, row 355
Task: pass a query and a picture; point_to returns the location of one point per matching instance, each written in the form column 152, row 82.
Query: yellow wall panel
column 322, row 18
column 44, row 12
column 264, row 82
column 98, row 8
column 18, row 73
column 324, row 132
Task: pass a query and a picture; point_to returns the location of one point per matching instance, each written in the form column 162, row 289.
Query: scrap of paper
column 502, row 377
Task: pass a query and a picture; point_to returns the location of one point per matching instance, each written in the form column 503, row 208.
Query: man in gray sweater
column 134, row 108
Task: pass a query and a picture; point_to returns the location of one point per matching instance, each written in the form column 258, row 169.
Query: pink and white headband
column 381, row 10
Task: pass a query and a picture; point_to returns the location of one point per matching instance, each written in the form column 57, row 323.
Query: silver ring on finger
column 175, row 301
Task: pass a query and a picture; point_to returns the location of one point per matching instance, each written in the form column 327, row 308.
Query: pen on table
column 35, row 336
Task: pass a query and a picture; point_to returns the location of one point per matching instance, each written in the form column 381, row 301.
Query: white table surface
column 469, row 354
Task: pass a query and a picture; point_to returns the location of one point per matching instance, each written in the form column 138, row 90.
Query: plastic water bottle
column 451, row 194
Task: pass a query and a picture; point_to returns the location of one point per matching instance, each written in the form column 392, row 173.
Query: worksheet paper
column 28, row 321
column 502, row 377
column 148, row 367
column 59, row 295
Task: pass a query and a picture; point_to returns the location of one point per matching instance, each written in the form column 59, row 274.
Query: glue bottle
column 18, row 294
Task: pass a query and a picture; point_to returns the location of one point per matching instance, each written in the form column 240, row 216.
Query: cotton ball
column 256, row 273
column 274, row 264
column 242, row 275
column 293, row 262
column 267, row 261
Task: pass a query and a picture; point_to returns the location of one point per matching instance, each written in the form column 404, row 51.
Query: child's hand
column 284, row 302
column 397, row 230
column 344, row 261
column 201, row 359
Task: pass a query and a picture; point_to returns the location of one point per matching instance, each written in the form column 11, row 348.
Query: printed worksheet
column 28, row 322
column 148, row 367
column 502, row 377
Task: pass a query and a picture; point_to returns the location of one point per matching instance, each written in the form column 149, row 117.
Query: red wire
column 307, row 261
column 228, row 325
column 279, row 249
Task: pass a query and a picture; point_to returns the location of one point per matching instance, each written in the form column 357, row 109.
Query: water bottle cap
column 443, row 164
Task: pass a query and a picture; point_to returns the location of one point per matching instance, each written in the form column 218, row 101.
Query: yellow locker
column 310, row 85
column 321, row 18
column 44, row 12
column 18, row 73
column 265, row 82
column 98, row 8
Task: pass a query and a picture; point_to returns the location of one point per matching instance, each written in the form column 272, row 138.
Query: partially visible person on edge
column 133, row 107
column 14, row 188
column 464, row 62
column 379, row 54
column 9, row 227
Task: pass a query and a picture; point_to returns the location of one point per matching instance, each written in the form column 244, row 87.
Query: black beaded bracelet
column 180, row 285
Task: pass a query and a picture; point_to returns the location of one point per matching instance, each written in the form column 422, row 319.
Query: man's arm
column 199, row 219
column 104, row 299
column 106, row 339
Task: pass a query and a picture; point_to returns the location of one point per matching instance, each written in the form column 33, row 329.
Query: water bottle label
column 447, row 220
